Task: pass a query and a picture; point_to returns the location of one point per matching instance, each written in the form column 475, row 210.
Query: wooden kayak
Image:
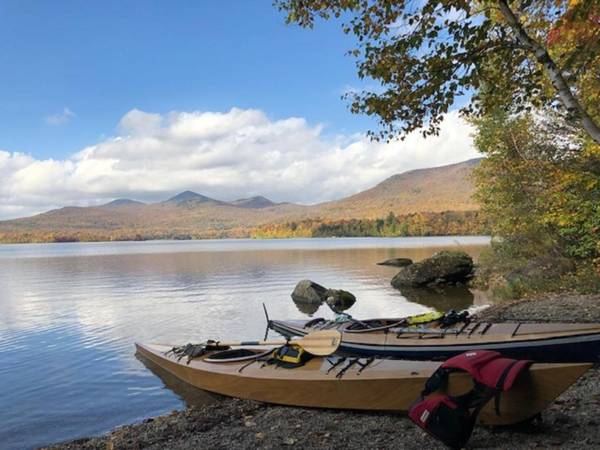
column 381, row 385
column 543, row 342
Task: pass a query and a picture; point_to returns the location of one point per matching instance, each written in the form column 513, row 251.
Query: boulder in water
column 445, row 267
column 340, row 300
column 307, row 291
column 396, row 262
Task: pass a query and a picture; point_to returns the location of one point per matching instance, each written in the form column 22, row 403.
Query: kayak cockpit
column 359, row 326
column 348, row 326
column 221, row 355
column 236, row 355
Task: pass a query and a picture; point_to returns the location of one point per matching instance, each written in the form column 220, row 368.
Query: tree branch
column 558, row 81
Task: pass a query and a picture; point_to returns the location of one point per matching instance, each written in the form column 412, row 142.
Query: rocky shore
column 571, row 422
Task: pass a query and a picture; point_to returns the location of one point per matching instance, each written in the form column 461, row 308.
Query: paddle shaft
column 243, row 343
column 323, row 342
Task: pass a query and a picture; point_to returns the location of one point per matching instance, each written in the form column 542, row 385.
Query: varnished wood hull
column 539, row 342
column 384, row 385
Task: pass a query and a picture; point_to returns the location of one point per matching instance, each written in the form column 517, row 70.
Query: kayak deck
column 382, row 384
column 545, row 342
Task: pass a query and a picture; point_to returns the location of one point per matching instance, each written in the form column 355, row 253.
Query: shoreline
column 487, row 237
column 570, row 422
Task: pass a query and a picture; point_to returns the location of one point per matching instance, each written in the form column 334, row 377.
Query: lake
column 70, row 313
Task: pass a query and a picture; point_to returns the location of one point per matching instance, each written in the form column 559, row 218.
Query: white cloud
column 61, row 118
column 223, row 155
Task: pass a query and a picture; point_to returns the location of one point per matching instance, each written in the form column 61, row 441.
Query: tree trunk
column 558, row 81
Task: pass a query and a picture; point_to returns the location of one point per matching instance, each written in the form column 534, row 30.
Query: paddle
column 319, row 343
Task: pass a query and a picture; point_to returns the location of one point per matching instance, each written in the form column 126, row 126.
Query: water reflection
column 191, row 395
column 307, row 308
column 69, row 314
column 440, row 298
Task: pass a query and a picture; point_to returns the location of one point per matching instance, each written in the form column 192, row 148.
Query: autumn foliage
column 448, row 223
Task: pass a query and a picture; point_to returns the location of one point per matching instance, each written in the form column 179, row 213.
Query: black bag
column 445, row 419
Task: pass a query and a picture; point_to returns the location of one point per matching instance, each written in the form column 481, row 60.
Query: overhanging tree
column 429, row 54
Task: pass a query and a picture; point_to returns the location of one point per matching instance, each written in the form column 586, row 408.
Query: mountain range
column 189, row 214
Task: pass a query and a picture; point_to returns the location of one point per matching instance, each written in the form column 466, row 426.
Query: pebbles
column 547, row 308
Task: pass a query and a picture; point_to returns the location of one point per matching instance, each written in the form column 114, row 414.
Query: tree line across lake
column 447, row 223
column 417, row 224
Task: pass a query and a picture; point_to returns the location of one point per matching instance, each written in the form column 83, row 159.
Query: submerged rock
column 307, row 291
column 340, row 300
column 445, row 267
column 396, row 262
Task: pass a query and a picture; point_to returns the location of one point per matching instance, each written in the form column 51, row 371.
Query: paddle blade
column 320, row 343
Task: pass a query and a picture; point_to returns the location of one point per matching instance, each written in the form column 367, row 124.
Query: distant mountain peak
column 123, row 202
column 434, row 190
column 190, row 196
column 430, row 171
column 253, row 202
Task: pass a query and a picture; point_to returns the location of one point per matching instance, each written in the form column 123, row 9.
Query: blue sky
column 143, row 99
column 101, row 59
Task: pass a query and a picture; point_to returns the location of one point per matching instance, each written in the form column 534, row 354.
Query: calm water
column 69, row 314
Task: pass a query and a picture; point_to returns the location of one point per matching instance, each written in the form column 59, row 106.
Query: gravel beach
column 571, row 422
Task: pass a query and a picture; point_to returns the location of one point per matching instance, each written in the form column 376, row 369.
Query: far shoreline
column 257, row 239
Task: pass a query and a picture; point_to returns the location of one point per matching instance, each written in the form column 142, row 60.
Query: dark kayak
column 544, row 342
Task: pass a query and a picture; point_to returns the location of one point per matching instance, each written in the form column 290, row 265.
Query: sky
column 143, row 99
